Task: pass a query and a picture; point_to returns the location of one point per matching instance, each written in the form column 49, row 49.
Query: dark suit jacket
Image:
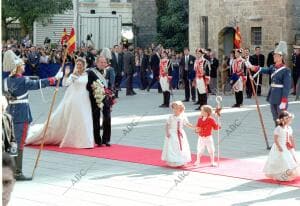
column 145, row 62
column 257, row 60
column 154, row 63
column 214, row 64
column 270, row 59
column 129, row 63
column 118, row 66
column 190, row 73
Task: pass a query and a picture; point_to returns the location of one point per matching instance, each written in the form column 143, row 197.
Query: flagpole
column 258, row 110
column 49, row 115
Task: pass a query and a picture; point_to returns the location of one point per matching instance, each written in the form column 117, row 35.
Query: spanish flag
column 71, row 42
column 237, row 38
column 64, row 37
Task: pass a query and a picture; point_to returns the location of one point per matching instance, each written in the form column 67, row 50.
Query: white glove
column 59, row 75
column 248, row 64
column 282, row 105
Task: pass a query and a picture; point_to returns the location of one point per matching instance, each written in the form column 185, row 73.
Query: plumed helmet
column 281, row 48
column 9, row 61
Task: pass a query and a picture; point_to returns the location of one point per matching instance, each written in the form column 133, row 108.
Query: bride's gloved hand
column 59, row 75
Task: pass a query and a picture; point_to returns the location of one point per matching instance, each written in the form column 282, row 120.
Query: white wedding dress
column 71, row 124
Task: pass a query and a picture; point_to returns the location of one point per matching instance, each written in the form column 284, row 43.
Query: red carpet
column 228, row 167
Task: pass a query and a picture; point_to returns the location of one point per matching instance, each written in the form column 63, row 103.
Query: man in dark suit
column 154, row 64
column 117, row 64
column 258, row 59
column 95, row 74
column 129, row 64
column 144, row 58
column 187, row 69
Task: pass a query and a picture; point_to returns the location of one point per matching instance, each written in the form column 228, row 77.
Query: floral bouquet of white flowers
column 99, row 92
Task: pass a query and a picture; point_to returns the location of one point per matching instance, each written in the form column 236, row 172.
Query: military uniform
column 279, row 88
column 238, row 68
column 280, row 82
column 16, row 86
column 202, row 78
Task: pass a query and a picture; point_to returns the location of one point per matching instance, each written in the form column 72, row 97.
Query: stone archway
column 225, row 41
column 225, row 46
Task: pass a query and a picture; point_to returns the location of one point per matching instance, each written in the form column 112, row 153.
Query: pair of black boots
column 166, row 96
column 19, row 176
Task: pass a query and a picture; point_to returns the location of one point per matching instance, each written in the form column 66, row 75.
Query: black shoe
column 236, row 105
column 129, row 94
column 196, row 103
column 193, row 100
column 107, row 144
column 186, row 100
column 159, row 91
column 164, row 106
column 148, row 89
column 133, row 92
column 21, row 177
column 198, row 108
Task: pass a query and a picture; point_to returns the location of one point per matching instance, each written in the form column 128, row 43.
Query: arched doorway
column 225, row 41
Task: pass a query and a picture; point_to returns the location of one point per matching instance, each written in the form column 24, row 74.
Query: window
column 256, row 35
column 204, row 32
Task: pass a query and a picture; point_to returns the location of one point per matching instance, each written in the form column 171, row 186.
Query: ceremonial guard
column 165, row 78
column 16, row 88
column 201, row 81
column 238, row 78
column 280, row 81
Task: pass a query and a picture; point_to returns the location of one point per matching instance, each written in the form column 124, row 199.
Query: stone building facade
column 261, row 23
column 144, row 21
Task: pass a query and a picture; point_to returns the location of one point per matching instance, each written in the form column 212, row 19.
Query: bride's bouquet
column 99, row 92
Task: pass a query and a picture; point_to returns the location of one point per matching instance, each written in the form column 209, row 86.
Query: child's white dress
column 176, row 150
column 279, row 164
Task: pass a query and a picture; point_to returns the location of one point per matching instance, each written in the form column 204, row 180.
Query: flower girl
column 176, row 151
column 282, row 164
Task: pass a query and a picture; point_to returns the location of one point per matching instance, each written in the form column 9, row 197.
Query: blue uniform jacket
column 19, row 86
column 282, row 77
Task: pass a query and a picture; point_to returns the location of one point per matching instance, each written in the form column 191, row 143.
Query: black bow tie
column 101, row 71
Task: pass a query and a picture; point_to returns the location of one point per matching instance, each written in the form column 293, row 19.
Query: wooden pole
column 49, row 115
column 218, row 100
column 258, row 110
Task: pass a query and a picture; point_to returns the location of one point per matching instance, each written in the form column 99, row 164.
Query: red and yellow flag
column 72, row 42
column 64, row 37
column 237, row 38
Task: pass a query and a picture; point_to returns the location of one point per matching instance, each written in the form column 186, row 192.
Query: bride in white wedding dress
column 71, row 124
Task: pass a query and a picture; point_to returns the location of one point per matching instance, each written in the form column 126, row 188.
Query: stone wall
column 279, row 20
column 144, row 19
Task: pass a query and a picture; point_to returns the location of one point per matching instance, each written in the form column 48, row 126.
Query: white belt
column 19, row 101
column 277, row 85
column 22, row 96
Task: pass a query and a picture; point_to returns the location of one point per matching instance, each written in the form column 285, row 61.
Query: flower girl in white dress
column 176, row 151
column 282, row 164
